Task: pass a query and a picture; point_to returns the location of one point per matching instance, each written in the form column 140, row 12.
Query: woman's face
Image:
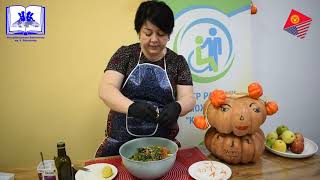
column 153, row 41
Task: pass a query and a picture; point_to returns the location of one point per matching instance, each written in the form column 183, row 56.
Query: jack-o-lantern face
column 240, row 115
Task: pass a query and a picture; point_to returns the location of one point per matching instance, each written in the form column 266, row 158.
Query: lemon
column 106, row 172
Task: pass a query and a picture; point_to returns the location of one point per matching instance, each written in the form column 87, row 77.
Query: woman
column 146, row 85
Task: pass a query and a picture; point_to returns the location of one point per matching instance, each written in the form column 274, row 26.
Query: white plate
column 95, row 172
column 310, row 148
column 205, row 170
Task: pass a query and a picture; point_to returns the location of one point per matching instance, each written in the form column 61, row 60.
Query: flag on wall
column 297, row 24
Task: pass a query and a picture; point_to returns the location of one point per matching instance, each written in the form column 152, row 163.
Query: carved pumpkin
column 239, row 114
column 235, row 149
column 235, row 119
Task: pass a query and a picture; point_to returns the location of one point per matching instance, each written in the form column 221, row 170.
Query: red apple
column 299, row 136
column 297, row 146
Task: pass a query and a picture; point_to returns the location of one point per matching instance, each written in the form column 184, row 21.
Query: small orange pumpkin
column 271, row 107
column 200, row 122
column 255, row 90
column 253, row 8
column 235, row 149
column 217, row 97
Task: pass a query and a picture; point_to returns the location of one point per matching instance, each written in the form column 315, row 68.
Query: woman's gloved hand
column 169, row 114
column 142, row 111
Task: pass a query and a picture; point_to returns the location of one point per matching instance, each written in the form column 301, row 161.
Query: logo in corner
column 25, row 21
column 297, row 24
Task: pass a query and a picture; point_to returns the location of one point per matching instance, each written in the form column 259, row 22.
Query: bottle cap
column 61, row 144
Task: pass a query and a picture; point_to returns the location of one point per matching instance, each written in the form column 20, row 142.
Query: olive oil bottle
column 63, row 163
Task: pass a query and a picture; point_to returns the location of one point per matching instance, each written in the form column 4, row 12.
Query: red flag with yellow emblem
column 297, row 24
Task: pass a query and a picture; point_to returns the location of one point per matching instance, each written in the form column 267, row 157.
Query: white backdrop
column 288, row 67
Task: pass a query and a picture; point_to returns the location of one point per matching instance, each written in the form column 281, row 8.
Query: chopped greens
column 151, row 153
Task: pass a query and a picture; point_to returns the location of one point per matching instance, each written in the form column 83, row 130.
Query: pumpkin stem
column 205, row 114
column 206, row 110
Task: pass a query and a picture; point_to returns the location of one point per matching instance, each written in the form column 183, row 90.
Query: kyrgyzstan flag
column 297, row 24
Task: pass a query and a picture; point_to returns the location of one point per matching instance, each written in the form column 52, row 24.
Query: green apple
column 281, row 129
column 279, row 145
column 288, row 136
column 270, row 142
column 272, row 135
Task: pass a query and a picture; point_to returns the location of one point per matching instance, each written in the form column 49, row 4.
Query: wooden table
column 276, row 167
column 269, row 167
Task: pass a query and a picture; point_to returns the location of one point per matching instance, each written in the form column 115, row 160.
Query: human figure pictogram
column 199, row 58
column 214, row 45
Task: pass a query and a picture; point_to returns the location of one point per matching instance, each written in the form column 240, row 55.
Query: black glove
column 169, row 114
column 142, row 111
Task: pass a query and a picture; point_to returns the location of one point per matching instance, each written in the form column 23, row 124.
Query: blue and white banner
column 214, row 37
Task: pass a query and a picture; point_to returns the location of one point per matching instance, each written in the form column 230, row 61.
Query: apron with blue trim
column 147, row 83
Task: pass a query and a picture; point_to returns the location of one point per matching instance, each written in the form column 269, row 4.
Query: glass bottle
column 63, row 163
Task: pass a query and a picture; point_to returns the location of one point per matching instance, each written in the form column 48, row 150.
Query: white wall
column 288, row 67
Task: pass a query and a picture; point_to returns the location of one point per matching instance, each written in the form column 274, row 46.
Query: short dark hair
column 158, row 13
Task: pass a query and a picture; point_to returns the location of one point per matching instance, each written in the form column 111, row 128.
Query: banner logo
column 297, row 24
column 205, row 42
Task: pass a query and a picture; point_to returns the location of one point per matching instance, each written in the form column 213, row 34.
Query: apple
column 281, row 129
column 288, row 136
column 270, row 142
column 279, row 145
column 272, row 135
column 297, row 146
column 299, row 137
